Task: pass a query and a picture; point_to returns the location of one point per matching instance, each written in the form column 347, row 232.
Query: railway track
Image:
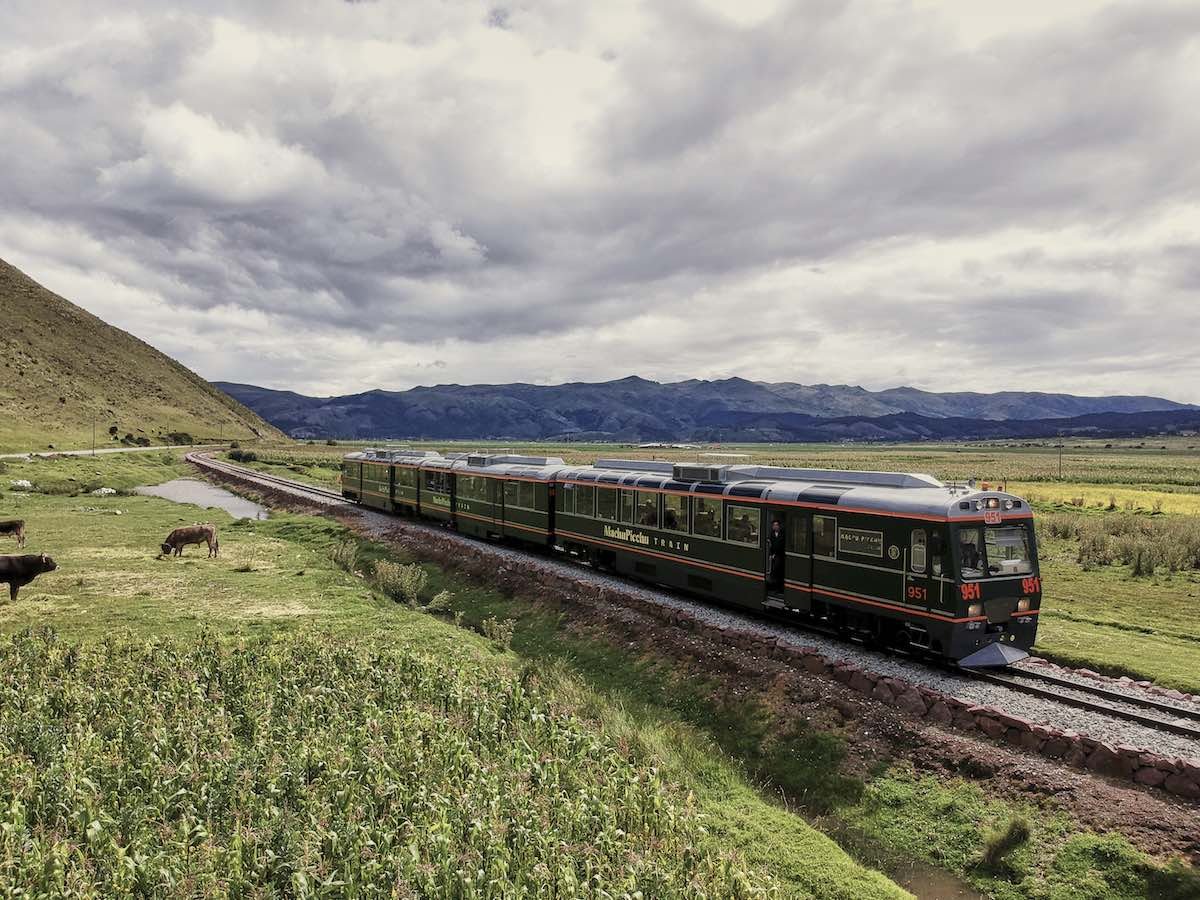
column 1145, row 711
column 206, row 462
column 1116, row 704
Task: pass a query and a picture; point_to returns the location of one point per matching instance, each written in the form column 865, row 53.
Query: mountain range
column 635, row 409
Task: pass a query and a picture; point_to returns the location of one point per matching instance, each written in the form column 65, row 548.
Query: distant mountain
column 634, row 409
column 62, row 369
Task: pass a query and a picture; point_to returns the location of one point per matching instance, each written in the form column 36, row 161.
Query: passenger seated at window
column 670, row 520
column 741, row 530
column 648, row 515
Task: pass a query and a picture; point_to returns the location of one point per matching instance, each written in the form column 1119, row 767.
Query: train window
column 797, row 533
column 473, row 487
column 937, row 552
column 825, row 536
column 585, row 500
column 742, row 523
column 706, row 517
column 406, row 477
column 916, row 558
column 541, row 496
column 675, row 512
column 1008, row 550
column 627, row 507
column 606, row 503
column 970, row 551
column 527, row 494
column 438, row 482
column 512, row 493
column 647, row 509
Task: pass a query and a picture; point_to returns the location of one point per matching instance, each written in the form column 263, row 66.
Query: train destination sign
column 860, row 541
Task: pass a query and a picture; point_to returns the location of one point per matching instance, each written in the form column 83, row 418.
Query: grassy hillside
column 61, row 368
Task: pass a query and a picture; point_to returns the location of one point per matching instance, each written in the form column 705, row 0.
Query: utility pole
column 93, row 434
column 1060, row 448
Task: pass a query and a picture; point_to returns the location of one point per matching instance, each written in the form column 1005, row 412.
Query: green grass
column 82, row 474
column 62, row 371
column 948, row 823
column 752, row 778
column 276, row 579
column 310, row 468
column 307, row 766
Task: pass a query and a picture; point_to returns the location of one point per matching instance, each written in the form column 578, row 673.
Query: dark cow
column 15, row 527
column 191, row 534
column 18, row 571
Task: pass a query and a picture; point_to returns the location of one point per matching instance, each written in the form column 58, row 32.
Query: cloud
column 333, row 197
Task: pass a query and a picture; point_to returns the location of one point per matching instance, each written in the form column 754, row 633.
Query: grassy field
column 276, row 599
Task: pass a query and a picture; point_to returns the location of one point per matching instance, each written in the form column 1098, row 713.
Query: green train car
column 895, row 559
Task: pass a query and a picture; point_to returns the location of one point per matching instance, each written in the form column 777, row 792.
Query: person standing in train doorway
column 775, row 551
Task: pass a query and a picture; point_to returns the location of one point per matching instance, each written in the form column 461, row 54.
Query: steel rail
column 1013, row 680
column 1110, row 694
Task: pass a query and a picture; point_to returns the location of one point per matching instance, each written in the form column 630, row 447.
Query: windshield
column 994, row 550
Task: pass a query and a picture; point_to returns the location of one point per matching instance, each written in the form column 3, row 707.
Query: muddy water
column 925, row 881
column 201, row 493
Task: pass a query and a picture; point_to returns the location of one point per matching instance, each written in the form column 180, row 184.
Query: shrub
column 248, row 456
column 234, row 445
column 999, row 844
column 403, row 583
column 345, row 555
column 440, row 602
column 498, row 632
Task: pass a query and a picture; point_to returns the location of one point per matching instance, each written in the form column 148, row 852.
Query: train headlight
column 1008, row 504
column 1023, row 605
column 975, row 609
column 978, row 505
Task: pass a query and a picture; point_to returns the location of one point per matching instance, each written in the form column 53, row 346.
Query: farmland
column 224, row 679
column 273, row 712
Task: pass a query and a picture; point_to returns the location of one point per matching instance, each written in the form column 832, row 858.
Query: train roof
column 895, row 492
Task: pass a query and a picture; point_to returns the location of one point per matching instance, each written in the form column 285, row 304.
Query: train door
column 920, row 588
column 787, row 565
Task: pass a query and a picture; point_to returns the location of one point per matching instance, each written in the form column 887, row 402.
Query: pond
column 201, row 493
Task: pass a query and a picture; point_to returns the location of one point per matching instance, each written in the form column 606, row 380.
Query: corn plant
column 304, row 766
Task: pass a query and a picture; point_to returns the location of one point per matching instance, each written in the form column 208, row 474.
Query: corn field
column 309, row 766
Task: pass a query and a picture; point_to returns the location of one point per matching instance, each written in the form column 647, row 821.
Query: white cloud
column 333, row 197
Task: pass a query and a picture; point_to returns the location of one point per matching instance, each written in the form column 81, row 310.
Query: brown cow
column 15, row 527
column 191, row 534
column 18, row 571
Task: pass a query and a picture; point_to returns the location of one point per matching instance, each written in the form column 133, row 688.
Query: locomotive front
column 993, row 550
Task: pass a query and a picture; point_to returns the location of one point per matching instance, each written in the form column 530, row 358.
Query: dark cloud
column 539, row 192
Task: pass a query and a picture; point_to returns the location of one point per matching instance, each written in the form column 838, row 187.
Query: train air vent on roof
column 409, row 455
column 634, row 465
column 685, row 472
column 513, row 459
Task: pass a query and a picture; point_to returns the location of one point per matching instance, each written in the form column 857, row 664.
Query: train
column 898, row 560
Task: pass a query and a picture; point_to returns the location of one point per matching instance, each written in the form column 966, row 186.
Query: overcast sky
column 331, row 197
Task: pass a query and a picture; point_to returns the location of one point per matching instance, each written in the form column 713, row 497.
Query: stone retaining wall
column 1176, row 775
